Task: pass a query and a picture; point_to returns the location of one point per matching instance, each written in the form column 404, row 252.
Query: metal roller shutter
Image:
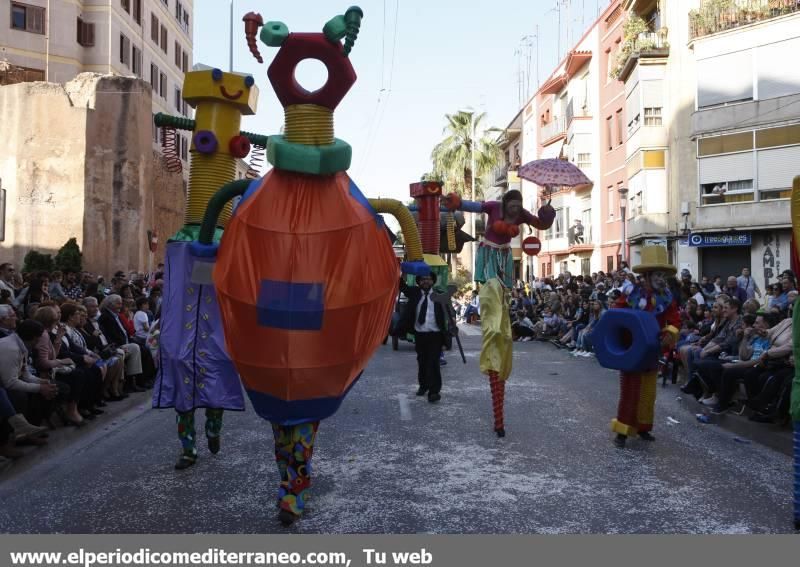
column 726, row 78
column 732, row 167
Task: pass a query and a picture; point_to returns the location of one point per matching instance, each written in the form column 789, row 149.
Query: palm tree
column 452, row 157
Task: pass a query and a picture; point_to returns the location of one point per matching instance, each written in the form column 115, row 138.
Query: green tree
column 69, row 257
column 37, row 262
column 452, row 157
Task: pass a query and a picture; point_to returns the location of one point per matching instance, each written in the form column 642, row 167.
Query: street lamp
column 623, row 202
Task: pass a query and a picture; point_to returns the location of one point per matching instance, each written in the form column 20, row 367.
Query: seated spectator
column 549, row 325
column 573, row 327
column 141, row 320
column 696, row 294
column 733, row 290
column 724, row 339
column 55, row 290
column 522, row 329
column 7, row 279
column 108, row 370
column 782, row 301
column 764, row 357
column 49, row 366
column 142, row 368
column 126, row 316
column 97, row 342
column 707, row 367
column 72, row 290
column 473, row 309
column 8, row 320
column 583, row 342
column 708, row 290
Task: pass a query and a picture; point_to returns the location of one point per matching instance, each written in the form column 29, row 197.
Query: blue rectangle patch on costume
column 291, row 306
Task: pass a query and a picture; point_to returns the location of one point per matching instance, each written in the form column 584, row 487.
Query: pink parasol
column 550, row 172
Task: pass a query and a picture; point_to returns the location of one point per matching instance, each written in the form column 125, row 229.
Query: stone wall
column 80, row 163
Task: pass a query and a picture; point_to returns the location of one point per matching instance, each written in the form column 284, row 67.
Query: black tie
column 423, row 310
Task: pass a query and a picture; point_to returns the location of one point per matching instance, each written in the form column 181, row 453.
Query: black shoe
column 434, row 397
column 96, row 411
column 286, row 517
column 137, row 388
column 619, row 441
column 422, row 391
column 646, row 436
column 184, row 462
column 101, row 404
column 213, row 444
column 500, row 432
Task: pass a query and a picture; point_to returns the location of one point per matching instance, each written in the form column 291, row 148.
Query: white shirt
column 430, row 325
column 699, row 298
column 141, row 324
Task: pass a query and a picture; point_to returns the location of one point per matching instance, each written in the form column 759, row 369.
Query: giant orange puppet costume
column 630, row 338
column 305, row 273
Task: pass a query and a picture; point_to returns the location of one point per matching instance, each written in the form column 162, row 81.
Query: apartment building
column 149, row 39
column 613, row 181
column 568, row 127
column 745, row 132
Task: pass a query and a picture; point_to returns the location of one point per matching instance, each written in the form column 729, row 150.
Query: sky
column 416, row 61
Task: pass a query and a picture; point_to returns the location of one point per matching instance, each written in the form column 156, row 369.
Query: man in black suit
column 425, row 316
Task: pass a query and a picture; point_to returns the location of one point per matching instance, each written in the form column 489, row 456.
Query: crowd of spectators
column 70, row 344
column 735, row 346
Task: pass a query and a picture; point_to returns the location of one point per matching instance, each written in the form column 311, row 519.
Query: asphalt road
column 389, row 462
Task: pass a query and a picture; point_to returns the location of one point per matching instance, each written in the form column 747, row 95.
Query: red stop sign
column 531, row 246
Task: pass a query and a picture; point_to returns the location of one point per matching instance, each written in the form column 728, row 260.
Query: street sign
column 708, row 240
column 531, row 246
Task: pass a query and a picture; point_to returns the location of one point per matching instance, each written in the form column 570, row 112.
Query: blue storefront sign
column 707, row 240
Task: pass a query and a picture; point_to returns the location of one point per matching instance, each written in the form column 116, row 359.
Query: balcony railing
column 554, row 128
column 498, row 176
column 572, row 112
column 645, row 44
column 719, row 15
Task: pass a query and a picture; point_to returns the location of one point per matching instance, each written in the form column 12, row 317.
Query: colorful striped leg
column 498, row 397
column 797, row 475
column 294, row 447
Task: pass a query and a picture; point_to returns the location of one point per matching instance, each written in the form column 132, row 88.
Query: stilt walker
column 494, row 267
column 305, row 273
column 194, row 368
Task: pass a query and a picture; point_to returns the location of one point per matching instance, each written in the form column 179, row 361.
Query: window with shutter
column 137, row 61
column 163, row 85
column 164, row 39
column 85, row 33
column 137, row 11
column 185, row 62
column 27, row 18
column 154, row 28
column 177, row 55
column 126, row 5
column 124, row 50
column 186, row 22
column 725, row 78
column 154, row 78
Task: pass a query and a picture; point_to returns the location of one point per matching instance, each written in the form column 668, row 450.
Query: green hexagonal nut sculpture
column 316, row 160
column 274, row 34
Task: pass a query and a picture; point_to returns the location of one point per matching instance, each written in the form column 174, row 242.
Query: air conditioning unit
column 684, row 207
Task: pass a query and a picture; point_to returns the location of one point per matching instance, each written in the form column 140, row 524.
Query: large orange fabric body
column 306, row 280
